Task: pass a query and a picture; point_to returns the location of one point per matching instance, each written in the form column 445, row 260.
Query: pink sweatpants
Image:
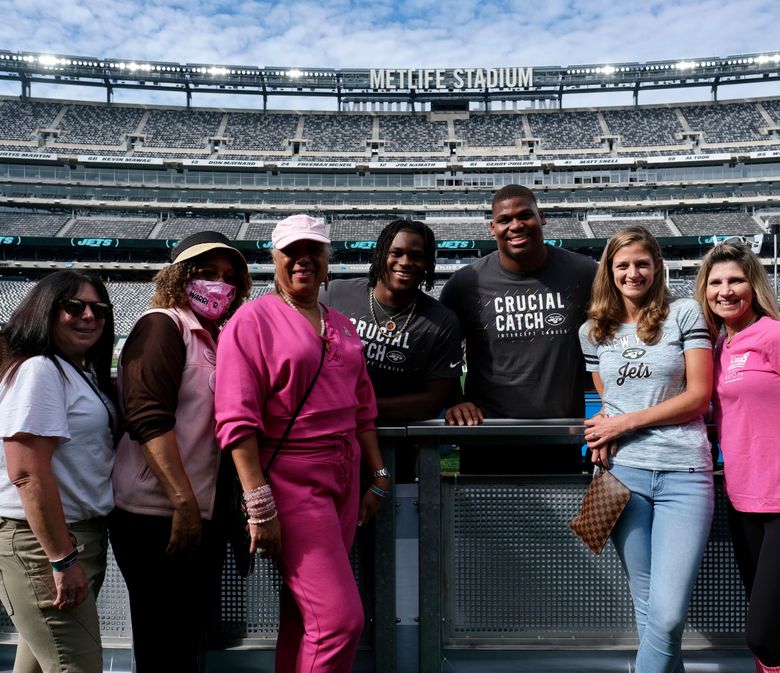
column 316, row 487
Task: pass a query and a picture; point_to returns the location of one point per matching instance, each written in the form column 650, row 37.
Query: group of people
column 282, row 394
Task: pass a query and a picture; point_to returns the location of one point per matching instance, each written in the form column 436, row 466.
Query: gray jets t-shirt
column 636, row 376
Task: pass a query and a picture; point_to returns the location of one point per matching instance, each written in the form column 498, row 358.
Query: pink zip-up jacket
column 266, row 357
column 136, row 489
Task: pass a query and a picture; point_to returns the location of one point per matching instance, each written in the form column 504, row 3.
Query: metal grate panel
column 514, row 573
column 248, row 611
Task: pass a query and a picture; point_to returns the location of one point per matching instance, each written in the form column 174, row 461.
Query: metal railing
column 496, row 566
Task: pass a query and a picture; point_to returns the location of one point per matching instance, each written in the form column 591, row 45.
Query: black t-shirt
column 428, row 349
column 521, row 330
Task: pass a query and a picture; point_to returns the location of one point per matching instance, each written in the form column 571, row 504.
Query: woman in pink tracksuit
column 306, row 517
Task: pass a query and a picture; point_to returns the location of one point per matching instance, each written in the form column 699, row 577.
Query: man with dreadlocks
column 411, row 342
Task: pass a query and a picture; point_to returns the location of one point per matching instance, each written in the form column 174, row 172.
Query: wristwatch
column 381, row 472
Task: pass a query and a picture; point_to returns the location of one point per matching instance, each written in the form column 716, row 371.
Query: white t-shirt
column 40, row 401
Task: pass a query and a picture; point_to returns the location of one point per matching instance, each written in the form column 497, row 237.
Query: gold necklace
column 390, row 324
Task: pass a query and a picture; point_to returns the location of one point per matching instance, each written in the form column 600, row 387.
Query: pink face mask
column 210, row 298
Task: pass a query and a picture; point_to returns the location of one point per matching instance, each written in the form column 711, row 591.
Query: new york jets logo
column 554, row 319
column 633, row 353
column 396, row 357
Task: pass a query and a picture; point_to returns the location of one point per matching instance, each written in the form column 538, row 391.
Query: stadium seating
column 563, row 227
column 31, row 224
column 357, row 229
column 258, row 230
column 263, row 132
column 111, row 227
column 20, row 120
column 489, row 130
column 607, row 228
column 180, row 128
column 98, row 124
column 162, row 130
column 337, row 133
column 565, row 130
column 180, row 227
column 412, row 133
column 645, row 127
column 130, row 300
column 259, row 289
column 726, row 122
column 773, row 108
column 683, row 285
column 478, row 230
column 708, row 223
column 11, row 293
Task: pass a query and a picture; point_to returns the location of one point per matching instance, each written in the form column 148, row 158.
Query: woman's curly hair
column 607, row 310
column 170, row 284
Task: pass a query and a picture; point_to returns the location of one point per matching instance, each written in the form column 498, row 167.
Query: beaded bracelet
column 260, row 507
column 263, row 520
column 378, row 491
column 260, row 493
column 260, row 504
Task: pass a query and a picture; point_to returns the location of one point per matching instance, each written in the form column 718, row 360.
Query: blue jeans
column 660, row 539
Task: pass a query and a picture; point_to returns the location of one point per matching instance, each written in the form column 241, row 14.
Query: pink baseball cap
column 297, row 228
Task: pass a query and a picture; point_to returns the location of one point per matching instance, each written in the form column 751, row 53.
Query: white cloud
column 386, row 33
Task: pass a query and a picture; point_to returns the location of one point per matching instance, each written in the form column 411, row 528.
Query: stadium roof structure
column 387, row 85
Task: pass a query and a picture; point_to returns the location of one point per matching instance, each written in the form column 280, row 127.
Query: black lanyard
column 86, row 378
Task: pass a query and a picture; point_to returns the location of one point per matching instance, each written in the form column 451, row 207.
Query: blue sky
column 383, row 33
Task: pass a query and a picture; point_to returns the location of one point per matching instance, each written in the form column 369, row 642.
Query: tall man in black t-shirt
column 519, row 310
column 411, row 342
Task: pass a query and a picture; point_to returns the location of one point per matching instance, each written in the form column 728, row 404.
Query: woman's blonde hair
column 764, row 301
column 607, row 309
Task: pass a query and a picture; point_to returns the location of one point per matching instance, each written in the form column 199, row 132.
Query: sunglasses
column 76, row 308
column 209, row 273
column 737, row 240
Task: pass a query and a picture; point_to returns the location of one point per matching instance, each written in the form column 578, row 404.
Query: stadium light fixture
column 607, row 70
column 48, row 60
column 214, row 70
column 294, row 73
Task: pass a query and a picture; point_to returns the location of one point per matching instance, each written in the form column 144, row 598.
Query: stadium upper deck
column 96, row 172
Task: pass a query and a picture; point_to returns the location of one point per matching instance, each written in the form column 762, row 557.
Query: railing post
column 384, row 564
column 430, row 557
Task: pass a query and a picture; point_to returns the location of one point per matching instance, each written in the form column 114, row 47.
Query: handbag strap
column 295, row 415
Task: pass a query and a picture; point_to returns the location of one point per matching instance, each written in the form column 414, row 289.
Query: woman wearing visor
column 165, row 481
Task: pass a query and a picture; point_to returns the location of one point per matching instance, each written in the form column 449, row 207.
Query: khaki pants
column 51, row 640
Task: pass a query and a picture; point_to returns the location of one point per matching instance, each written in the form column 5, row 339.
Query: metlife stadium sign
column 451, row 79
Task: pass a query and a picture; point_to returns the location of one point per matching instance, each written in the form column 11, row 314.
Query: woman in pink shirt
column 742, row 314
column 296, row 408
